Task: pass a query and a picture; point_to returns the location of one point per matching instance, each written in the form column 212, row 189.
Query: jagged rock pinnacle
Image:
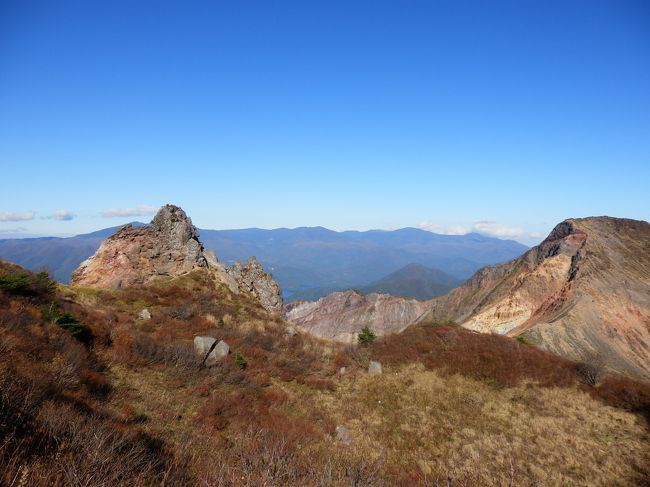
column 253, row 279
column 169, row 246
column 132, row 256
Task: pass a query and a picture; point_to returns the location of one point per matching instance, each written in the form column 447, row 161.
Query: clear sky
column 501, row 117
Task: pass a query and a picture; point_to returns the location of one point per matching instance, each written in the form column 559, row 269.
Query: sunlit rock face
column 342, row 315
column 137, row 255
column 584, row 290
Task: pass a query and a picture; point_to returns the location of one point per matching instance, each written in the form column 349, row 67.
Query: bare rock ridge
column 584, row 291
column 341, row 315
column 169, row 246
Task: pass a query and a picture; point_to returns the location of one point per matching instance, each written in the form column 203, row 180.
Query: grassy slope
column 483, row 410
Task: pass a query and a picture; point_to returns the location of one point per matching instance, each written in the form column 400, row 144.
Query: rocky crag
column 341, row 315
column 253, row 279
column 169, row 247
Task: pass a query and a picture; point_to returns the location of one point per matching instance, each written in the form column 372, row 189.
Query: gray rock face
column 254, row 280
column 178, row 237
column 203, row 344
column 374, row 368
column 220, row 351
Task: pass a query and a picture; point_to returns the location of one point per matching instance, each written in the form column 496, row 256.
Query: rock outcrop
column 253, row 279
column 137, row 255
column 169, row 247
column 342, row 315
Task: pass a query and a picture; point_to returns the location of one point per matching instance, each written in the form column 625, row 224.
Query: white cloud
column 484, row 227
column 61, row 215
column 18, row 216
column 497, row 230
column 142, row 210
column 13, row 230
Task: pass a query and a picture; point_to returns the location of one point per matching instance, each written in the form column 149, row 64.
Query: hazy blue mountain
column 314, row 261
column 414, row 281
column 301, row 259
column 411, row 281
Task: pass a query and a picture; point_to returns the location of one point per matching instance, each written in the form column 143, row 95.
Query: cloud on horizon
column 17, row 216
column 13, row 230
column 484, row 227
column 141, row 210
column 61, row 215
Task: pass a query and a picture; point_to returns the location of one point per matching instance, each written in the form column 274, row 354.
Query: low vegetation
column 366, row 335
column 133, row 406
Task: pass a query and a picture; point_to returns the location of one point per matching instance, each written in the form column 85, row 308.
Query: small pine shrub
column 240, row 360
column 366, row 335
column 68, row 322
column 27, row 284
column 15, row 283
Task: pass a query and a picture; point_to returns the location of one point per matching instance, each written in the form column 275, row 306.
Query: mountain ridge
column 300, row 259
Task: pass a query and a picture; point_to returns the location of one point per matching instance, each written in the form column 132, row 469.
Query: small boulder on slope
column 374, row 368
column 203, row 344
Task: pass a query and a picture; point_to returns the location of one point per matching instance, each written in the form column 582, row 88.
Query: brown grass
column 134, row 407
column 429, row 427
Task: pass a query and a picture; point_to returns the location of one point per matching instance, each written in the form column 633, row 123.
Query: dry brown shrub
column 495, row 358
column 320, row 384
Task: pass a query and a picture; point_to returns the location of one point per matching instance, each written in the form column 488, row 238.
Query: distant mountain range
column 303, row 260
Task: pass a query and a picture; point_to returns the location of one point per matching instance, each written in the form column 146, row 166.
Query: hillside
column 583, row 293
column 306, row 262
column 126, row 402
column 414, row 281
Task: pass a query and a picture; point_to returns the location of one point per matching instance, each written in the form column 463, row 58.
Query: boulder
column 290, row 330
column 374, row 368
column 144, row 314
column 203, row 344
column 221, row 350
column 343, row 435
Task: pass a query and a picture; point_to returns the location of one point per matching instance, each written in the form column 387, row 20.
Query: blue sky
column 501, row 117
